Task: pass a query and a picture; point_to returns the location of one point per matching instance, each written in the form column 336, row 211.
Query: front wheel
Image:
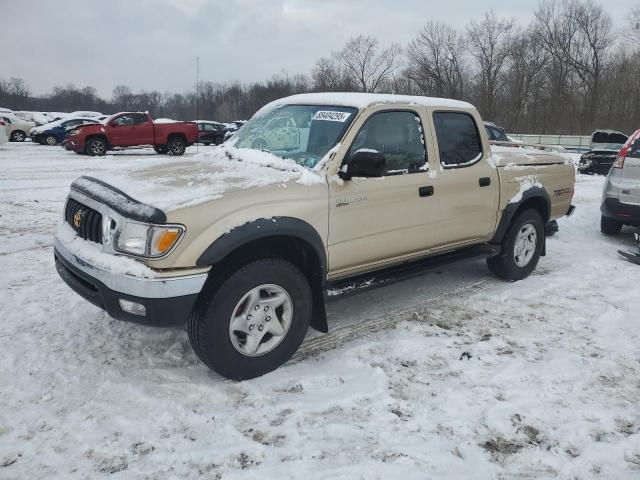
column 254, row 321
column 50, row 140
column 17, row 136
column 96, row 147
column 176, row 146
column 521, row 247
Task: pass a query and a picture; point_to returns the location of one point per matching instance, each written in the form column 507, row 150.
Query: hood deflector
column 118, row 201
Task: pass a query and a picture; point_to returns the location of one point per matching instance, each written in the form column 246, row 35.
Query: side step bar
column 387, row 276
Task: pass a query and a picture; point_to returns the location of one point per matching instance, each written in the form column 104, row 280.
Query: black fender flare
column 511, row 209
column 263, row 228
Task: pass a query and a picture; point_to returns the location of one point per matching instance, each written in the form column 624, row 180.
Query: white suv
column 621, row 194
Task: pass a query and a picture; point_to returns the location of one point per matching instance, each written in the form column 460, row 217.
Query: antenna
column 197, row 97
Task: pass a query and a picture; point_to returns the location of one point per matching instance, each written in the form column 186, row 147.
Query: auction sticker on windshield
column 331, row 116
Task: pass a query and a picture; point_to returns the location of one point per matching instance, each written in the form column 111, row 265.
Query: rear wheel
column 50, row 140
column 176, row 146
column 18, row 136
column 609, row 226
column 96, row 147
column 254, row 321
column 521, row 247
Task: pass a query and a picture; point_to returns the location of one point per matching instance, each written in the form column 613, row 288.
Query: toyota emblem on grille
column 77, row 218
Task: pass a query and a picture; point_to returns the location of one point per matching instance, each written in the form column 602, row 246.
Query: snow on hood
column 173, row 184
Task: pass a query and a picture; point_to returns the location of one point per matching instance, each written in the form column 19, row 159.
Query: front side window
column 459, row 143
column 130, row 119
column 302, row 133
column 398, row 137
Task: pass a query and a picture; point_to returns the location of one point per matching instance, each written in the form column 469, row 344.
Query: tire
column 515, row 263
column 160, row 149
column 609, row 226
column 96, row 147
column 220, row 347
column 50, row 140
column 18, row 136
column 176, row 146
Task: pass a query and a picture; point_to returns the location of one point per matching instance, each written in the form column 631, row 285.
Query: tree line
column 568, row 72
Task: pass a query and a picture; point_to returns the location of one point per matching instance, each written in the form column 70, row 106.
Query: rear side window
column 458, row 139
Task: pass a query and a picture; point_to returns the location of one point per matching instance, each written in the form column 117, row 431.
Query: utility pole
column 197, row 95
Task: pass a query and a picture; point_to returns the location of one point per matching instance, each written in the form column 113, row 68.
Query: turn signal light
column 164, row 239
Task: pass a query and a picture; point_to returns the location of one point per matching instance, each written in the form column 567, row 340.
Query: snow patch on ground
column 453, row 374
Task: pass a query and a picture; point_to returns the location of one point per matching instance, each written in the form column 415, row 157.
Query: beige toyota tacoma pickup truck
column 242, row 243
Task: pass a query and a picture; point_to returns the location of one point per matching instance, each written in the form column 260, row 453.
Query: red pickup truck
column 129, row 129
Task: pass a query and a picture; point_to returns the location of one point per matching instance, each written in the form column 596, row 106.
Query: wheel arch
column 288, row 238
column 536, row 198
column 97, row 135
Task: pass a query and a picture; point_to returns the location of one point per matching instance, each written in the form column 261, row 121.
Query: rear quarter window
column 458, row 138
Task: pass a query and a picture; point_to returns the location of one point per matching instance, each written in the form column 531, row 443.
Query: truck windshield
column 302, row 133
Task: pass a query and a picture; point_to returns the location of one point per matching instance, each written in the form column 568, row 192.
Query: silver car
column 621, row 194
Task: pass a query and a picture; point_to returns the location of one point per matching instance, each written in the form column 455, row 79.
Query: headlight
column 75, row 131
column 147, row 240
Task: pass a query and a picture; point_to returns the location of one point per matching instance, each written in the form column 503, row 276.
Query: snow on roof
column 361, row 100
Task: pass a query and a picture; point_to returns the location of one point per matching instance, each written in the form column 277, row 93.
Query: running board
column 387, row 276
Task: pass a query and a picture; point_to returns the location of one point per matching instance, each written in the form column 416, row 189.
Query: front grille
column 84, row 220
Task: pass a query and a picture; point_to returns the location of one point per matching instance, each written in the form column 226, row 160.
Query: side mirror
column 364, row 163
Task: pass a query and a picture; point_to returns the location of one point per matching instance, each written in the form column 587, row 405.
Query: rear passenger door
column 467, row 185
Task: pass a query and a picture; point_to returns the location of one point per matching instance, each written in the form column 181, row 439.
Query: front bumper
column 73, row 144
column 168, row 301
column 623, row 212
column 595, row 166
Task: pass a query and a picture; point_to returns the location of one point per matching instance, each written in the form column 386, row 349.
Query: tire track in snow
column 341, row 334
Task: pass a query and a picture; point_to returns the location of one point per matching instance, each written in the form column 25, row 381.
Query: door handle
column 425, row 191
column 484, row 181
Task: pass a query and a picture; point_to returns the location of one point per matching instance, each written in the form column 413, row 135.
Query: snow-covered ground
column 450, row 375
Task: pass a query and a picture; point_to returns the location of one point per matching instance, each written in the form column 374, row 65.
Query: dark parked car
column 54, row 132
column 605, row 145
column 210, row 132
column 495, row 133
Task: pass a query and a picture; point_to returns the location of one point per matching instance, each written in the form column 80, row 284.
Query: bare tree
column 490, row 43
column 328, row 75
column 368, row 68
column 633, row 32
column 525, row 76
column 436, row 60
column 579, row 34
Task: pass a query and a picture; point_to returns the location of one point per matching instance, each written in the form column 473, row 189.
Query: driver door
column 375, row 221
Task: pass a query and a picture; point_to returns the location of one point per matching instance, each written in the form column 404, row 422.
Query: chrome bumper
column 157, row 287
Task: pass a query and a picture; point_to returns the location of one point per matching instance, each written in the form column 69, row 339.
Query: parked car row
column 129, row 129
column 17, row 129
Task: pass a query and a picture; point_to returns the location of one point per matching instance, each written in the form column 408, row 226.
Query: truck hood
column 607, row 137
column 168, row 184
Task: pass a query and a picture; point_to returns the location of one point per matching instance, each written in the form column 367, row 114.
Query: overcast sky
column 152, row 44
